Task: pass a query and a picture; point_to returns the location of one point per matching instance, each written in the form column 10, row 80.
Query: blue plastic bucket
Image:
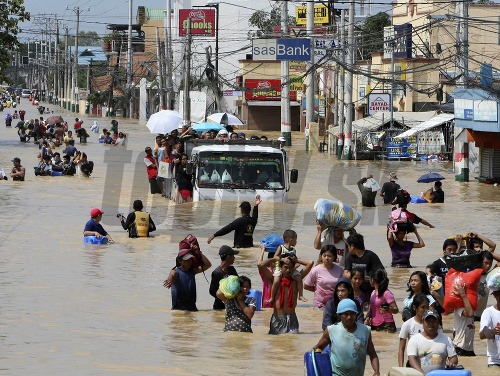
column 257, row 295
column 94, row 240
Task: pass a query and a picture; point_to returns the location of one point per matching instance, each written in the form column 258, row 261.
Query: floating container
column 257, row 295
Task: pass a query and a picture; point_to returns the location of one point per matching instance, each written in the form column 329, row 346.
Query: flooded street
column 87, row 310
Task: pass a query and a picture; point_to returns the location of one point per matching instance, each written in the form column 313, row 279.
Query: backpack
column 397, row 217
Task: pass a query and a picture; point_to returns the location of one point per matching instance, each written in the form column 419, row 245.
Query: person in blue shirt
column 93, row 227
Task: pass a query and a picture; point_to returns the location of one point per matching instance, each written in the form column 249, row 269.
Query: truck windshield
column 241, row 170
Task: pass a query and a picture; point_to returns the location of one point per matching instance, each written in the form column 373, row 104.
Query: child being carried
column 283, row 251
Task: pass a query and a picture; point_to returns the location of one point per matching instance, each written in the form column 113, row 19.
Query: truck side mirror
column 189, row 168
column 294, row 175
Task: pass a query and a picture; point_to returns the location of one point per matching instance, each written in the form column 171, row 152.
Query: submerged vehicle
column 238, row 170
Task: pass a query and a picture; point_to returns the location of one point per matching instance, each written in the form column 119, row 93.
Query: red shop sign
column 265, row 90
column 202, row 21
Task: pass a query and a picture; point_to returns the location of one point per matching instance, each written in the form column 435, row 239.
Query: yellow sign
column 320, row 15
column 296, row 83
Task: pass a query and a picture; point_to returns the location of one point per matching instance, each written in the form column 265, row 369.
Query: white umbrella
column 231, row 119
column 164, row 121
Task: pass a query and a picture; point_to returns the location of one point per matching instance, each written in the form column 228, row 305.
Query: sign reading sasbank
column 378, row 102
column 202, row 21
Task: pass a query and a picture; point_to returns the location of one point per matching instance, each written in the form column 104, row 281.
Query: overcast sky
column 101, row 13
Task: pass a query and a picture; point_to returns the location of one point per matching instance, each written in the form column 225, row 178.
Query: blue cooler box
column 323, row 364
column 450, row 372
column 257, row 295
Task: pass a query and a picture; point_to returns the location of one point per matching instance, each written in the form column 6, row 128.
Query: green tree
column 86, row 38
column 265, row 21
column 11, row 13
column 372, row 37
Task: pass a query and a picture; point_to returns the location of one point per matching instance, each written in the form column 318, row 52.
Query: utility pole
column 169, row 57
column 286, row 126
column 74, row 86
column 67, row 67
column 187, row 68
column 462, row 58
column 56, row 65
column 341, row 108
column 159, row 76
column 393, row 46
column 129, row 61
column 348, row 98
column 311, row 71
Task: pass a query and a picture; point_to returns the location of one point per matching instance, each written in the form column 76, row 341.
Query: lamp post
column 215, row 5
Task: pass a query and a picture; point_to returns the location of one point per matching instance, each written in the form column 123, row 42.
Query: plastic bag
column 204, row 178
column 226, row 177
column 372, row 183
column 215, row 177
column 454, row 278
column 336, row 214
column 230, row 286
column 493, row 279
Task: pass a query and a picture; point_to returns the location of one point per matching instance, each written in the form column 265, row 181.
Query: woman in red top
column 152, row 170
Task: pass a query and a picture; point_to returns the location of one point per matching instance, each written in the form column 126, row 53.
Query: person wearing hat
column 17, row 173
column 93, row 227
column 346, row 335
column 243, row 227
column 490, row 331
column 390, row 188
column 182, row 278
column 152, row 170
column 224, row 270
column 223, row 135
column 431, row 350
column 138, row 223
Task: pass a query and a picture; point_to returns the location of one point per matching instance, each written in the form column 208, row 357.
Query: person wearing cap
column 138, row 223
column 17, row 173
column 490, row 331
column 224, row 270
column 431, row 350
column 93, row 227
column 152, row 170
column 344, row 337
column 182, row 279
column 390, row 188
column 243, row 227
column 223, row 135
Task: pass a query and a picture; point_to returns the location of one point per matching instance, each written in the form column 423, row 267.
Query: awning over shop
column 431, row 123
column 271, row 103
column 409, row 119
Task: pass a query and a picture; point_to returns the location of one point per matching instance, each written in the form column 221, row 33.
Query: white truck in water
column 238, row 170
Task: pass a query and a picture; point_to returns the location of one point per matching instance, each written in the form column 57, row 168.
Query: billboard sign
column 202, row 21
column 265, row 90
column 397, row 37
column 293, row 49
column 320, row 15
column 378, row 102
column 402, row 147
column 485, row 110
column 463, row 108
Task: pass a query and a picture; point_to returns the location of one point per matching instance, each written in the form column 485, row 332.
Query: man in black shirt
column 367, row 193
column 225, row 269
column 390, row 188
column 359, row 257
column 437, row 195
column 243, row 227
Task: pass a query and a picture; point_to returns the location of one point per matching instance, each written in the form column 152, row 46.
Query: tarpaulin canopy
column 431, row 123
column 409, row 119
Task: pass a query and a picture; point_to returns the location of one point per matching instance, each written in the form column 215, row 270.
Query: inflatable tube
column 94, row 240
column 336, row 214
column 56, row 173
column 449, row 372
column 418, row 200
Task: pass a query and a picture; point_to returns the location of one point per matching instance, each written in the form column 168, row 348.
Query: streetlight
column 215, row 5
